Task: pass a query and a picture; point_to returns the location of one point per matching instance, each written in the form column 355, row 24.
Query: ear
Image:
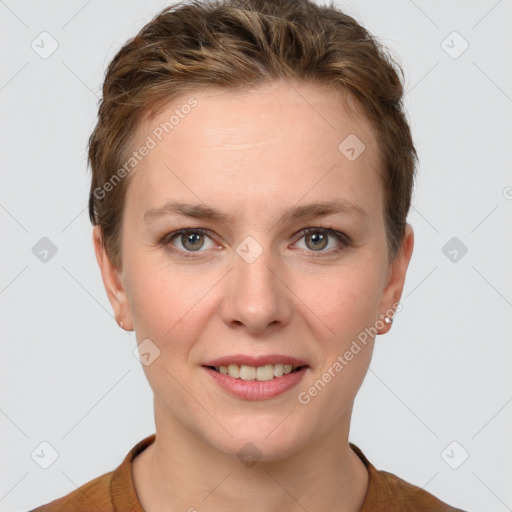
column 396, row 277
column 112, row 280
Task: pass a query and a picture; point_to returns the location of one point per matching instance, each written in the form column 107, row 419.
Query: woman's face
column 252, row 283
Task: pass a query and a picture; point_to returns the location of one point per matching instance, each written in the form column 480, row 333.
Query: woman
column 252, row 169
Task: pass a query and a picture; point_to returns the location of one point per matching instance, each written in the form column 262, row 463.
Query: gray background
column 68, row 374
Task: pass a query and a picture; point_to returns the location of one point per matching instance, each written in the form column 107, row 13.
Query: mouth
column 250, row 377
column 259, row 373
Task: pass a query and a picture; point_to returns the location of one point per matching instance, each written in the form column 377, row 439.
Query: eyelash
column 344, row 240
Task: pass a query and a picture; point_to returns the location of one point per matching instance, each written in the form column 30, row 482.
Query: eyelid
column 168, row 237
column 330, row 231
column 341, row 237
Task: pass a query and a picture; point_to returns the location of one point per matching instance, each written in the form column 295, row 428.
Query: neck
column 191, row 475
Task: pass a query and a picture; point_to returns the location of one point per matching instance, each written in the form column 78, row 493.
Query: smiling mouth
column 260, row 373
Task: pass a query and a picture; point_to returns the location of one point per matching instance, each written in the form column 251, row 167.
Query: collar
column 125, row 499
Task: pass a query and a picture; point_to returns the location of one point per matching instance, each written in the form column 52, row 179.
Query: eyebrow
column 307, row 211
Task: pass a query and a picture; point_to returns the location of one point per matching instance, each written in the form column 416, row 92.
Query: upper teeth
column 267, row 372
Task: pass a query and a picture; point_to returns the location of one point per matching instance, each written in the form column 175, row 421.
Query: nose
column 257, row 297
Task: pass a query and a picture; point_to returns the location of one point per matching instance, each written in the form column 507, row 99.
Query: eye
column 317, row 239
column 191, row 240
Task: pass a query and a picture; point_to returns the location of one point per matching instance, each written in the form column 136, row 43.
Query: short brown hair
column 240, row 44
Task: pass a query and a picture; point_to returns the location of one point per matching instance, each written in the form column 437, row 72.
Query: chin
column 261, row 441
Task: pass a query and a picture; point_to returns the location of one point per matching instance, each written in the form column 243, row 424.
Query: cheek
column 166, row 308
column 346, row 300
column 167, row 303
column 347, row 303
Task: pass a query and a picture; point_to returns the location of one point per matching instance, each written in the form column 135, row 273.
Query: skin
column 254, row 155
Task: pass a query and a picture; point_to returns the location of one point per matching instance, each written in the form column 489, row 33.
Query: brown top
column 115, row 491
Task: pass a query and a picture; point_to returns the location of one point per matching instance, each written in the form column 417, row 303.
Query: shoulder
column 387, row 491
column 411, row 498
column 93, row 495
column 110, row 492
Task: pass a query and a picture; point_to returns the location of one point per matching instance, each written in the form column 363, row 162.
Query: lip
column 256, row 361
column 254, row 389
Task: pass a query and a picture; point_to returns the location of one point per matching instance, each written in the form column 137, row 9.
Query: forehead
column 277, row 142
